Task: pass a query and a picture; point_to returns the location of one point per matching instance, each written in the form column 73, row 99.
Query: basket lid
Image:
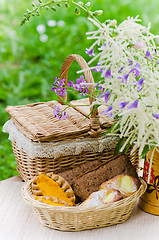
column 37, row 121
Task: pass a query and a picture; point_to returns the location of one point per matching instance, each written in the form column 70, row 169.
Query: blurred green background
column 31, row 55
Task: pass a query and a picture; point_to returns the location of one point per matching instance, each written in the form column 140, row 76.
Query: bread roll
column 102, row 197
column 123, row 183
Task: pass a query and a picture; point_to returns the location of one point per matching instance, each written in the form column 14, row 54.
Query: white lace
column 61, row 148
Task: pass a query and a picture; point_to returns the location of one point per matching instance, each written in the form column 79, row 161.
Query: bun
column 102, row 197
column 123, row 183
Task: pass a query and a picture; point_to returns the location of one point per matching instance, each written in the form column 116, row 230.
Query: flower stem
column 89, row 13
column 37, row 8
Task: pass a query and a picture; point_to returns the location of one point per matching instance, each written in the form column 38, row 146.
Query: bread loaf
column 89, row 182
column 72, row 174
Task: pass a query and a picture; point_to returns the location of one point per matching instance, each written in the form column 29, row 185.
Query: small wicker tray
column 78, row 218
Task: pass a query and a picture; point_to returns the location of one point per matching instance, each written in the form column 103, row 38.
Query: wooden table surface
column 18, row 221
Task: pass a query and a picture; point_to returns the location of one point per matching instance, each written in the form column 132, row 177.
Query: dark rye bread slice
column 84, row 185
column 72, row 174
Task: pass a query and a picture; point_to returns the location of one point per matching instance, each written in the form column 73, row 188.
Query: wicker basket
column 63, row 144
column 42, row 143
column 78, row 218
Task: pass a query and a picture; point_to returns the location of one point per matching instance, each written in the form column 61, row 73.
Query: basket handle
column 94, row 117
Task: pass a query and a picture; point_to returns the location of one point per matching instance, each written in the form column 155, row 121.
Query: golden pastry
column 123, row 183
column 102, row 197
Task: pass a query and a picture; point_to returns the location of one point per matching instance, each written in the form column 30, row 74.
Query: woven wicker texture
column 61, row 148
column 38, row 123
column 29, row 168
column 38, row 127
column 105, row 122
column 78, row 218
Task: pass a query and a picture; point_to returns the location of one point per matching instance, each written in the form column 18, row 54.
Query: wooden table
column 18, row 221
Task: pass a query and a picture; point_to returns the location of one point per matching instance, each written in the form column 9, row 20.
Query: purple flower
column 98, row 68
column 60, row 114
column 70, row 84
column 80, row 79
column 102, row 47
column 155, row 115
column 122, row 104
column 100, row 88
column 130, row 62
column 105, row 95
column 109, row 108
column 59, row 87
column 108, row 74
column 57, row 108
column 136, row 69
column 97, row 85
column 139, row 84
column 148, row 55
column 90, row 52
column 108, row 112
column 56, row 112
column 133, row 105
column 64, row 115
column 124, row 77
column 120, row 69
column 81, row 86
column 139, row 45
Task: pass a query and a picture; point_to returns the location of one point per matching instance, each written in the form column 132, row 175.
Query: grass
column 28, row 66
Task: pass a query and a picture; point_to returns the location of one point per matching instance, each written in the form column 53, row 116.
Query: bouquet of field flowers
column 127, row 58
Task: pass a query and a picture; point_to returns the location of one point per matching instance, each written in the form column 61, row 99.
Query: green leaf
column 127, row 148
column 114, row 127
column 119, row 145
column 77, row 11
column 66, row 5
column 145, row 151
column 33, row 4
column 109, row 130
column 95, row 107
column 54, row 9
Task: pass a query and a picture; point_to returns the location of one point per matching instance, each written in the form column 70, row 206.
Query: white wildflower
column 127, row 56
column 51, row 23
column 43, row 38
column 60, row 23
column 3, row 50
column 41, row 28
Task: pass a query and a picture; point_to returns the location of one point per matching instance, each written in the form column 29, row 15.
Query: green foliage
column 29, row 66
